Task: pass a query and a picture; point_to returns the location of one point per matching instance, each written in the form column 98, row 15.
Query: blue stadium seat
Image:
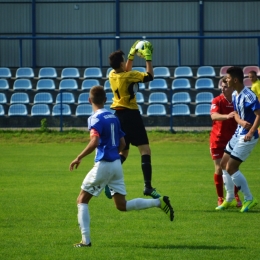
column 67, row 97
column 83, row 98
column 108, row 71
column 139, row 97
column 45, row 84
column 3, row 99
column 107, row 85
column 56, row 110
column 204, row 97
column 181, row 83
column 206, row 71
column 43, row 97
column 47, row 72
column 183, row 72
column 110, row 96
column 17, row 110
column 141, row 85
column 107, row 107
column 87, row 84
column 68, row 84
column 157, row 84
column 70, row 73
column 157, row 97
column 92, row 72
column 84, row 110
column 161, row 72
column 40, row 110
column 5, row 73
column 141, row 69
column 19, row 98
column 223, row 71
column 156, row 110
column 140, row 109
column 24, row 72
column 180, row 110
column 4, row 85
column 181, row 97
column 2, row 111
column 204, row 83
column 202, row 110
column 22, row 84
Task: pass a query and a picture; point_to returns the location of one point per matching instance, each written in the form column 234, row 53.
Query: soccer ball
column 140, row 46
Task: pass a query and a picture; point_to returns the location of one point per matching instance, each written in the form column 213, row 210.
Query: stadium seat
column 40, row 110
column 67, row 97
column 2, row 111
column 17, row 110
column 204, row 97
column 140, row 109
column 247, row 82
column 157, row 97
column 107, row 85
column 70, row 73
column 202, row 109
column 110, row 96
column 4, row 85
column 247, row 69
column 5, row 73
column 68, row 84
column 206, row 71
column 180, row 83
column 180, row 110
column 139, row 97
column 141, row 69
column 83, row 98
column 108, row 71
column 107, row 107
column 3, row 99
column 92, row 72
column 141, row 85
column 161, row 72
column 156, row 110
column 223, row 71
column 47, row 72
column 84, row 110
column 45, row 84
column 22, row 84
column 87, row 84
column 183, row 72
column 204, row 83
column 19, row 98
column 64, row 108
column 181, row 97
column 157, row 84
column 24, row 72
column 43, row 97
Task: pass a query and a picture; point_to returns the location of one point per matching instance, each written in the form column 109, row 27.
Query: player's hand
column 75, row 163
column 248, row 137
column 246, row 125
column 231, row 115
column 132, row 51
column 147, row 52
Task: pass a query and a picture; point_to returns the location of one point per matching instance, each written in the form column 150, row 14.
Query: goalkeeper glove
column 147, row 52
column 132, row 51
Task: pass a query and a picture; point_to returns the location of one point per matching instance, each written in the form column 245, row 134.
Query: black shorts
column 133, row 126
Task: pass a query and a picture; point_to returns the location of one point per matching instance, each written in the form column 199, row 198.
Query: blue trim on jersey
column 109, row 129
column 245, row 104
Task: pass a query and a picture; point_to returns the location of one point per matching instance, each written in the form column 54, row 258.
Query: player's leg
column 218, row 180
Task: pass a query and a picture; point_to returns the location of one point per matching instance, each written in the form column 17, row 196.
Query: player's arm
column 254, row 127
column 92, row 145
column 242, row 122
column 122, row 144
column 130, row 57
column 221, row 117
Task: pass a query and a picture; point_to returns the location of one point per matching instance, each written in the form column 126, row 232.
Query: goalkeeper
column 124, row 84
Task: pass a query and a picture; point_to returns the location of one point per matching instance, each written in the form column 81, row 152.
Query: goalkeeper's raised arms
column 147, row 52
column 132, row 51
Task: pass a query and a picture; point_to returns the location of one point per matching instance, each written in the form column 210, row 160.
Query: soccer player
column 255, row 83
column 247, row 115
column 223, row 127
column 107, row 138
column 124, row 84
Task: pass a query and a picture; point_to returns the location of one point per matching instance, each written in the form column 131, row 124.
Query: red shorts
column 216, row 153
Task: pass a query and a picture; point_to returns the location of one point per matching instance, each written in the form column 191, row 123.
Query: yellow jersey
column 256, row 88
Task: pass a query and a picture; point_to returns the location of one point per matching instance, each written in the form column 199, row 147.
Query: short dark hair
column 236, row 72
column 97, row 95
column 252, row 72
column 115, row 58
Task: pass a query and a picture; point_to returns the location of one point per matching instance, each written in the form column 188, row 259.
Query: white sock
column 229, row 186
column 240, row 181
column 137, row 204
column 84, row 222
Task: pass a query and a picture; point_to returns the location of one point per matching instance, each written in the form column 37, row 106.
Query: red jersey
column 221, row 131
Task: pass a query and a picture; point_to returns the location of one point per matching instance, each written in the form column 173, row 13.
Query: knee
column 120, row 208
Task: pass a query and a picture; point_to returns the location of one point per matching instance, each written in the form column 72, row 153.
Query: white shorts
column 105, row 173
column 238, row 148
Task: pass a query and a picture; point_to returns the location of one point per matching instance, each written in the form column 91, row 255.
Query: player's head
column 234, row 75
column 116, row 59
column 252, row 76
column 97, row 95
column 226, row 90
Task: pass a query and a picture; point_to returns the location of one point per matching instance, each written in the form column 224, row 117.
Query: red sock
column 236, row 191
column 219, row 184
